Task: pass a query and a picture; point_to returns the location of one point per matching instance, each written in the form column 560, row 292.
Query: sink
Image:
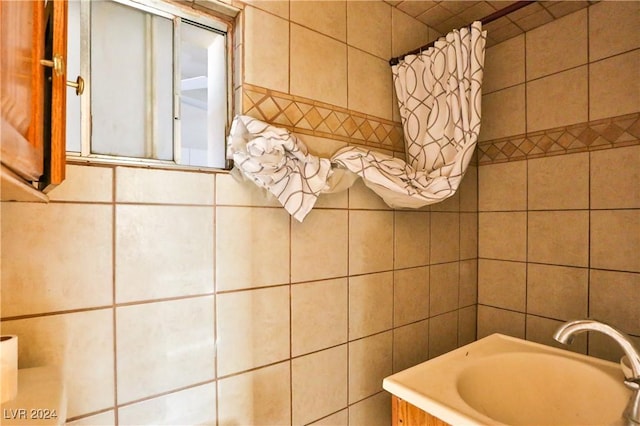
column 541, row 389
column 505, row 380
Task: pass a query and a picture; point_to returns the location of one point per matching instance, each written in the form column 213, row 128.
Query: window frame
column 218, row 17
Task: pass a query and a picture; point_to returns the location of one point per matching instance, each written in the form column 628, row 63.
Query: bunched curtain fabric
column 439, row 94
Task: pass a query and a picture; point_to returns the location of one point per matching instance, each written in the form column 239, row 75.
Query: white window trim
column 224, row 22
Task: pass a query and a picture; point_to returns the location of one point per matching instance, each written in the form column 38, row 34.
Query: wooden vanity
column 405, row 414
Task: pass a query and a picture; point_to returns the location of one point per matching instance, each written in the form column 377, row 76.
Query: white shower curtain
column 439, row 93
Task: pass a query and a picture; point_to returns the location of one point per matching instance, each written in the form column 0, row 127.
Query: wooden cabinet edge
column 405, row 414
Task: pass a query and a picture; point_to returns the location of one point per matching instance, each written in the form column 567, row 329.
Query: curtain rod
column 489, row 18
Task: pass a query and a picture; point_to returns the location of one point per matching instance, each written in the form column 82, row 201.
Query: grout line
column 114, row 331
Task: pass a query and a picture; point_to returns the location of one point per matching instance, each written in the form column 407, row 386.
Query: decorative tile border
column 305, row 116
column 590, row 136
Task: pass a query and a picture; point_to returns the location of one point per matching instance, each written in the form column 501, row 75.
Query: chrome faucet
column 564, row 334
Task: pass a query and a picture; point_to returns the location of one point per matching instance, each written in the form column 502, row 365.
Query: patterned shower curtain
column 439, row 94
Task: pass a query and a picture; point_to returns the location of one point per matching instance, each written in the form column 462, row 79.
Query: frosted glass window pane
column 73, row 70
column 203, row 98
column 131, row 52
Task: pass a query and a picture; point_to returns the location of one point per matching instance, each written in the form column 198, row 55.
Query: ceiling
column 445, row 16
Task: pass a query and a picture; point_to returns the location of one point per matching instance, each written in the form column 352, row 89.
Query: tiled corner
column 503, row 113
column 152, row 341
column 407, row 33
column 468, row 294
column 504, row 65
column 370, row 304
column 252, row 329
column 371, row 95
column 319, row 315
column 443, row 288
column 445, row 237
column 410, row 345
column 502, row 235
column 503, row 187
column 443, row 333
column 468, row 235
column 319, row 384
column 502, row 284
column 494, row 320
column 467, row 325
column 369, row 27
column 258, row 397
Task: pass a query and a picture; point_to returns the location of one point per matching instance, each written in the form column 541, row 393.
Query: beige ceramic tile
column 410, row 345
column 468, row 235
column 600, row 346
column 329, row 18
column 615, row 239
column 493, row 320
column 319, row 246
column 614, row 297
column 369, row 27
column 137, row 185
column 163, row 251
column 468, row 190
column 410, row 295
column 253, row 329
column 502, row 236
column 614, row 87
column 369, row 363
column 548, row 105
column 370, row 304
column 277, row 7
column 259, row 397
column 164, row 346
column 52, row 251
column 232, row 192
column 81, row 344
column 614, row 178
column 83, row 183
column 502, row 187
column 445, row 237
column 557, row 291
column 319, row 313
column 541, row 330
column 266, row 50
column 407, row 33
column 468, row 283
column 373, row 411
column 559, row 237
column 443, row 333
column 252, row 247
column 443, row 287
column 562, row 8
column 502, row 284
column 318, row 67
column 411, row 239
column 341, row 418
column 557, row 46
column 371, row 95
column 467, row 325
column 451, row 204
column 504, row 65
column 361, row 197
column 613, row 28
column 503, row 113
column 193, row 406
column 108, row 418
column 558, row 183
column 319, row 384
column 370, row 241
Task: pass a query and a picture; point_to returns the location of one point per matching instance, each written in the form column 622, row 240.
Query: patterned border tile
column 306, row 116
column 590, row 136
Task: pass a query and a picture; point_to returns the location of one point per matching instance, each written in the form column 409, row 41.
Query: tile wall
column 175, row 297
column 559, row 166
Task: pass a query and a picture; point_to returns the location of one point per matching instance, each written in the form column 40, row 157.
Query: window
column 156, row 79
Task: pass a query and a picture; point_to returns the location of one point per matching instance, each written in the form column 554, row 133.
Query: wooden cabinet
column 405, row 414
column 33, row 97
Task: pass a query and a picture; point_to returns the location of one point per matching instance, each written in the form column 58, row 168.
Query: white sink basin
column 504, row 380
